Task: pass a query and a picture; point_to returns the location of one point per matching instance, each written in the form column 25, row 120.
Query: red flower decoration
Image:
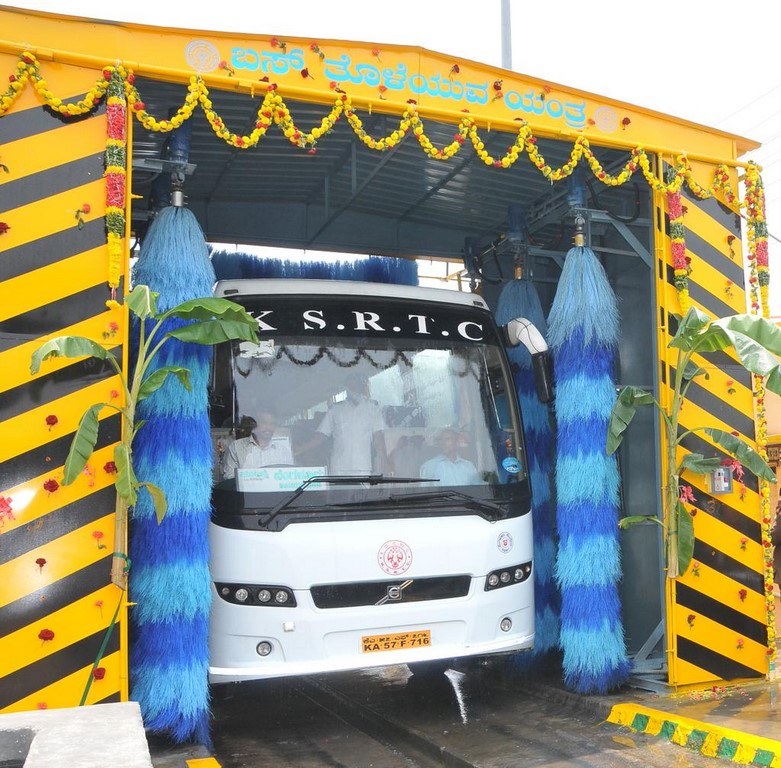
column 305, row 73
column 455, row 69
column 3, row 227
column 5, row 509
column 110, row 467
column 40, row 562
column 742, row 594
column 376, row 53
column 687, row 495
column 98, row 673
column 98, row 536
column 690, row 619
column 626, row 121
column 51, row 421
column 46, row 634
column 498, row 85
column 51, row 485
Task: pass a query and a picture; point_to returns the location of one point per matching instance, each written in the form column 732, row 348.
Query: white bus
column 371, row 503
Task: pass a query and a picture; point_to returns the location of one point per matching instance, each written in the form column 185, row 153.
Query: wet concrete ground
column 387, row 718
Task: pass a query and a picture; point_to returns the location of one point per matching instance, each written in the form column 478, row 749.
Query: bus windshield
column 372, row 400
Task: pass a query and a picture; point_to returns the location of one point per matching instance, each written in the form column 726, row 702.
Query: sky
column 709, row 61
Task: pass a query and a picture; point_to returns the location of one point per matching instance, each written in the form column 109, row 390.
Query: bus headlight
column 256, row 594
column 505, row 577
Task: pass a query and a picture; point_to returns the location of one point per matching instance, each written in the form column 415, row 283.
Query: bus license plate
column 420, row 638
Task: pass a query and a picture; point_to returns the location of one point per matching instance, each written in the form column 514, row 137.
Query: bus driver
column 261, row 449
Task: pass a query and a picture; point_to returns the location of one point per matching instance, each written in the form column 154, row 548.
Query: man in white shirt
column 355, row 427
column 261, row 449
column 448, row 467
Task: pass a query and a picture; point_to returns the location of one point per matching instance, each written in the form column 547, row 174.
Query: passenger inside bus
column 262, row 448
column 354, row 426
column 448, row 466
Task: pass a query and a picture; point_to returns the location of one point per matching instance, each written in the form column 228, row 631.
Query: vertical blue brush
column 583, row 334
column 169, row 576
column 519, row 298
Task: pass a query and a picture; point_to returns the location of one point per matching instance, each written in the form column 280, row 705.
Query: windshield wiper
column 335, row 480
column 443, row 495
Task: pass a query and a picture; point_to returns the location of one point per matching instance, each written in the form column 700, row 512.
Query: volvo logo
column 394, row 593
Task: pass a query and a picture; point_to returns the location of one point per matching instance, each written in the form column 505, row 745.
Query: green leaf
column 216, row 331
column 126, row 482
column 83, row 444
column 67, row 346
column 158, row 499
column 692, row 371
column 743, row 452
column 630, row 520
column 624, row 409
column 756, row 342
column 690, row 327
column 210, row 308
column 155, row 380
column 142, row 301
column 685, row 538
column 761, row 330
column 696, row 462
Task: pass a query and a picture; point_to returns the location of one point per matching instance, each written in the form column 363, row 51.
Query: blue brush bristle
column 583, row 335
column 169, row 574
column 519, row 298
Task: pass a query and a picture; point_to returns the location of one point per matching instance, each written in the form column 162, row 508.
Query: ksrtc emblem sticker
column 504, row 541
column 394, row 557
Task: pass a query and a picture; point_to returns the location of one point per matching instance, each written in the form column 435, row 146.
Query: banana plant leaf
column 697, row 463
column 743, row 452
column 68, row 346
column 630, row 520
column 157, row 378
column 685, row 537
column 624, row 409
column 142, row 301
column 126, row 482
column 216, row 331
column 83, row 444
column 158, row 500
column 208, row 308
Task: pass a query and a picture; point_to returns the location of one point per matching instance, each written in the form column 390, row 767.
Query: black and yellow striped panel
column 716, row 614
column 56, row 598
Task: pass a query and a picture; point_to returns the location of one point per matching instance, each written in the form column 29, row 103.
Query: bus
column 371, row 499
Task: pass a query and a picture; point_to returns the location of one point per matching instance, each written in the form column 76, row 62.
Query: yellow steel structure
column 56, row 545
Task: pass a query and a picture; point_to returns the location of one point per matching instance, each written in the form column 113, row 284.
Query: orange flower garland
column 115, row 173
column 757, row 240
column 678, row 246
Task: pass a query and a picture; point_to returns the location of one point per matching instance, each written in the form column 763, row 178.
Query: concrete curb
column 710, row 740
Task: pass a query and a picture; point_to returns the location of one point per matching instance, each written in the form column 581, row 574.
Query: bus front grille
column 390, row 592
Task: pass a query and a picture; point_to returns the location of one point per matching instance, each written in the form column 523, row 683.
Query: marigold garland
column 117, row 85
column 115, row 174
column 678, row 247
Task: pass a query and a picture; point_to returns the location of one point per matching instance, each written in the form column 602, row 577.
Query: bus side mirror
column 522, row 331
